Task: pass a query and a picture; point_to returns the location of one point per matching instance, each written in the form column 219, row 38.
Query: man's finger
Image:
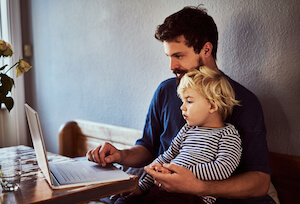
column 95, row 154
column 88, row 155
column 102, row 154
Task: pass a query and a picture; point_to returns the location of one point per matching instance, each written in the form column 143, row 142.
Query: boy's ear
column 213, row 108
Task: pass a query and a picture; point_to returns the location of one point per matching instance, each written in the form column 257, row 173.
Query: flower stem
column 11, row 67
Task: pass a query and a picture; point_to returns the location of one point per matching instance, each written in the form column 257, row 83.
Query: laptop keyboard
column 75, row 171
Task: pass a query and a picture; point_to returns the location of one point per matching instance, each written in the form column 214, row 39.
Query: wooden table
column 35, row 189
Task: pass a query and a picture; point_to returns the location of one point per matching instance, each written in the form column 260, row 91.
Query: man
column 190, row 39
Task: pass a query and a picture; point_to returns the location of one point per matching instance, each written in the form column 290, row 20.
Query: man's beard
column 181, row 72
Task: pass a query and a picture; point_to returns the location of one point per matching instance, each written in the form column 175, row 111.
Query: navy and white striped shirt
column 210, row 153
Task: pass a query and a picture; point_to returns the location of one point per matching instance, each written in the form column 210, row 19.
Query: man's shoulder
column 242, row 93
column 168, row 83
column 249, row 114
column 167, row 87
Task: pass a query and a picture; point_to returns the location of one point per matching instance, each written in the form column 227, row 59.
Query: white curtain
column 13, row 128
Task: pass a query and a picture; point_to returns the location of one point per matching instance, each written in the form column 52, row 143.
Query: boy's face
column 196, row 109
column 182, row 57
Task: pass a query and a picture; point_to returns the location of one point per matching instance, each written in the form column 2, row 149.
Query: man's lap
column 158, row 196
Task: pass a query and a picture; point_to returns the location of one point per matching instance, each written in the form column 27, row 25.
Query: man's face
column 182, row 57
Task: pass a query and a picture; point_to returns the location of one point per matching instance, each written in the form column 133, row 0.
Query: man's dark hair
column 194, row 24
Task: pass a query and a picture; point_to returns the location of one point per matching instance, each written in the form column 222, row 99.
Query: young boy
column 204, row 145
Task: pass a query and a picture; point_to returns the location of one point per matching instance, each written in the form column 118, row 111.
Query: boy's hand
column 159, row 168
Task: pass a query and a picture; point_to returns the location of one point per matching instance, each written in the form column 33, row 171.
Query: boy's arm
column 174, row 147
column 146, row 182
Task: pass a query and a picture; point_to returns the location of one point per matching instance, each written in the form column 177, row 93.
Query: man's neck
column 212, row 64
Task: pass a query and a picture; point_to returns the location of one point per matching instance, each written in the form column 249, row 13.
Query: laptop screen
column 38, row 142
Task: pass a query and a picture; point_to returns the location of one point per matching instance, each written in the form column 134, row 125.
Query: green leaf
column 6, row 84
column 8, row 102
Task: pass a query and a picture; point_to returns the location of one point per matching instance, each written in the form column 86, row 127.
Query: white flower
column 22, row 67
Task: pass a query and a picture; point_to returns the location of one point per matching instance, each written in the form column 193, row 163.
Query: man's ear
column 213, row 108
column 207, row 47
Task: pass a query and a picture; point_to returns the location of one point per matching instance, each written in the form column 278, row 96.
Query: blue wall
column 98, row 60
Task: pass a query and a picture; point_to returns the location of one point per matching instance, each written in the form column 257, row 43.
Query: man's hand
column 104, row 154
column 245, row 185
column 136, row 156
column 179, row 181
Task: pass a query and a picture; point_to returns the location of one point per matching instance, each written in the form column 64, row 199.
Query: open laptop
column 71, row 173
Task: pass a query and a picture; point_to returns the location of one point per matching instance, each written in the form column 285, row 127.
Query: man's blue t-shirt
column 164, row 120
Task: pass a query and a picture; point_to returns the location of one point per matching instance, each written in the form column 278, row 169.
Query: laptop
column 68, row 174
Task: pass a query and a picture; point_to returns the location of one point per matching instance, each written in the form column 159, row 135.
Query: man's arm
column 245, row 185
column 137, row 156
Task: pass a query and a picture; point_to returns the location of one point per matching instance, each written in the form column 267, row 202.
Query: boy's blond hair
column 213, row 86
